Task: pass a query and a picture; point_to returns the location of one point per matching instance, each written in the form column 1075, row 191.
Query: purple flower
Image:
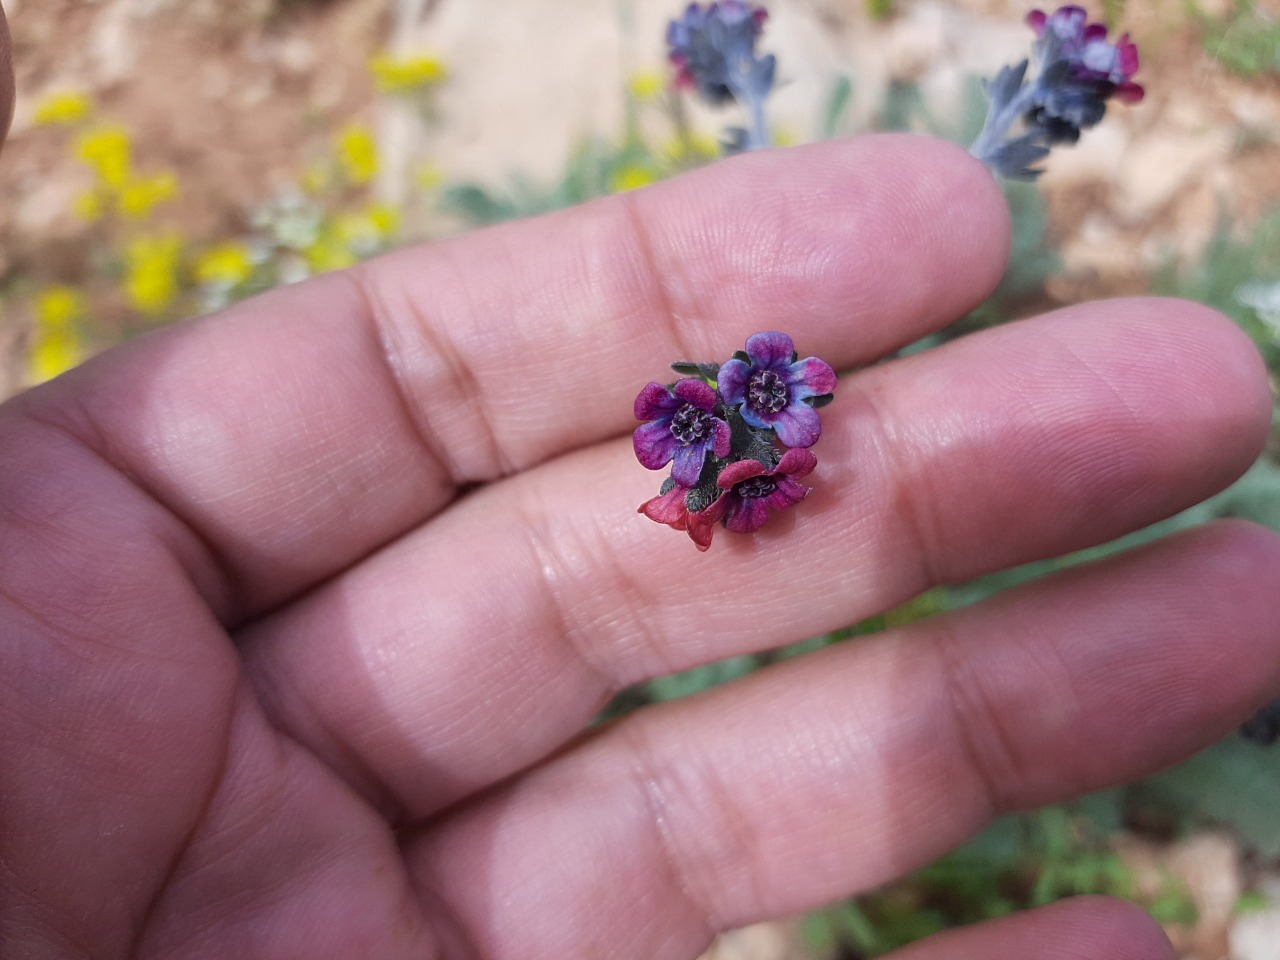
column 752, row 489
column 773, row 386
column 1077, row 71
column 684, row 428
column 1067, row 35
column 713, row 49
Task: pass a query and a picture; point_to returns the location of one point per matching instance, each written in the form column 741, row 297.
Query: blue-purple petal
column 733, row 381
column 655, row 446
column 689, row 459
column 797, row 425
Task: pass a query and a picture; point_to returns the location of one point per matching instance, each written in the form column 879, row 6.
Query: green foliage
column 1240, row 276
column 881, row 9
column 1020, row 861
column 1234, row 782
column 1246, row 41
column 835, row 113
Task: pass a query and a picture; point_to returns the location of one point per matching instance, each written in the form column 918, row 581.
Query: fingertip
column 1079, row 928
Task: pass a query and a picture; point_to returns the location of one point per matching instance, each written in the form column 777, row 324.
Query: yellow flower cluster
column 57, row 346
column 227, row 265
column 63, row 108
column 107, row 150
column 151, row 273
column 647, row 85
column 357, row 154
column 405, row 74
column 345, row 240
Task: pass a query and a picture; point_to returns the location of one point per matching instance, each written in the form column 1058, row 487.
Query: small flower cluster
column 1077, row 71
column 717, row 428
column 713, row 49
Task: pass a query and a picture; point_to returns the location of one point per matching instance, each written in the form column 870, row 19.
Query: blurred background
column 171, row 156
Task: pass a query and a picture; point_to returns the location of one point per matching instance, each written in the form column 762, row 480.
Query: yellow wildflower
column 57, row 347
column 315, row 179
column 89, row 206
column 63, row 108
column 404, row 74
column 430, row 176
column 633, row 177
column 57, row 308
column 385, row 220
column 228, row 264
column 53, row 354
column 785, row 138
column 109, row 151
column 358, row 154
column 140, row 195
column 151, row 273
column 647, row 84
column 694, row 146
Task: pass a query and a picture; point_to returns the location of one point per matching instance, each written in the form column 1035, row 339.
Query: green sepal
column 705, row 371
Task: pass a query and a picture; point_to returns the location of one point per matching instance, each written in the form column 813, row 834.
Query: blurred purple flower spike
column 1077, row 71
column 713, row 49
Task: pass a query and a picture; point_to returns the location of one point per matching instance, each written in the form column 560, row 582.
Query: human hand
column 308, row 606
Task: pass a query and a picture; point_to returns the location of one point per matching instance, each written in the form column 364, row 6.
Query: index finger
column 297, row 432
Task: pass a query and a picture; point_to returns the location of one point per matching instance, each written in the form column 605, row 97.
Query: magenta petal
column 654, row 401
column 698, row 392
column 655, row 446
column 722, row 439
column 771, row 349
column 787, row 493
column 669, row 508
column 1036, row 20
column 812, row 377
column 747, row 515
column 798, row 425
column 735, row 473
column 797, row 462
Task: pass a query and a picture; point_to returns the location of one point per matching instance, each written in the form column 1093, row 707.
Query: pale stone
column 1153, row 171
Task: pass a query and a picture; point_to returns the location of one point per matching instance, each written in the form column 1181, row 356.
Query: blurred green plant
column 1238, row 275
column 1020, row 861
column 1246, row 40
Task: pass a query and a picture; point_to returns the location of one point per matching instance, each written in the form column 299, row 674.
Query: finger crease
column 965, row 708
column 657, row 807
column 460, row 379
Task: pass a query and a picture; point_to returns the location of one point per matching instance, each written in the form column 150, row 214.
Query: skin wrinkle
column 659, row 291
column 969, row 707
column 647, row 779
column 550, row 570
column 913, row 508
column 460, row 379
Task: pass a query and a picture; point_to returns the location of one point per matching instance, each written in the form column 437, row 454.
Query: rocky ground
column 237, row 96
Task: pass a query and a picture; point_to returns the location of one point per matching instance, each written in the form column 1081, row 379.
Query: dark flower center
column 756, row 487
column 691, row 424
column 766, row 392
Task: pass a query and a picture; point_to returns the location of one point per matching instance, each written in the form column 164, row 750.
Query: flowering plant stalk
column 713, row 49
column 736, row 434
column 1077, row 70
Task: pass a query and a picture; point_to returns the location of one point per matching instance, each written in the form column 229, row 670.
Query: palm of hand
column 274, row 687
